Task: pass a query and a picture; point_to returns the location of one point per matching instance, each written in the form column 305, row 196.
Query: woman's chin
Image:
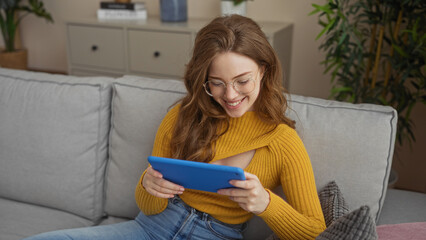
column 235, row 113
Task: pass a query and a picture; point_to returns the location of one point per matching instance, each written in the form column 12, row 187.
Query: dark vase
column 173, row 10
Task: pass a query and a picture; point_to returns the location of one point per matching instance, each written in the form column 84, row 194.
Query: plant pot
column 16, row 60
column 173, row 10
column 228, row 8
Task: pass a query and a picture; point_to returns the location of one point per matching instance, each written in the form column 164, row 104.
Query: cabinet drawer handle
column 94, row 48
column 156, row 54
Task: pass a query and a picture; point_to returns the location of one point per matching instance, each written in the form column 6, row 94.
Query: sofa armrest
column 403, row 206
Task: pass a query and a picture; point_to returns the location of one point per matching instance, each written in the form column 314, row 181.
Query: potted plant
column 229, row 7
column 376, row 53
column 10, row 56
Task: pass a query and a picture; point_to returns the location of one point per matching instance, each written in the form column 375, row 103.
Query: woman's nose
column 230, row 92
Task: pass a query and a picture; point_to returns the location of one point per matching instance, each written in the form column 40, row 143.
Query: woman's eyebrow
column 239, row 75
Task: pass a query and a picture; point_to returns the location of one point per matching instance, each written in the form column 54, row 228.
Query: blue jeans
column 177, row 221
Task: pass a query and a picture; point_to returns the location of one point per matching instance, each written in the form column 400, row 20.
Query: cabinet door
column 155, row 52
column 96, row 46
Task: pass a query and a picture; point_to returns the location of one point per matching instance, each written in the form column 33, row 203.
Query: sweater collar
column 245, row 133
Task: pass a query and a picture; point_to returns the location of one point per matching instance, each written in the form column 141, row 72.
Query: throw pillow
column 340, row 223
column 333, row 204
column 356, row 225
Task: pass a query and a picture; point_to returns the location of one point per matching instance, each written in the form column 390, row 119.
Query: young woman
column 233, row 114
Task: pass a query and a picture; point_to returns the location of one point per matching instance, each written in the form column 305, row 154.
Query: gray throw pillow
column 333, row 204
column 356, row 225
column 342, row 224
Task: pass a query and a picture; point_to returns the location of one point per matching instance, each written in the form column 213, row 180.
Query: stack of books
column 116, row 10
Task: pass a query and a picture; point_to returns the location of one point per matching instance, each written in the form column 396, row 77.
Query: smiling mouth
column 234, row 104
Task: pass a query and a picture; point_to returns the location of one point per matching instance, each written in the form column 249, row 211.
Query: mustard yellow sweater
column 280, row 159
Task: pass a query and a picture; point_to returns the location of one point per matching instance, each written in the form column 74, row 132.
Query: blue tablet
column 196, row 175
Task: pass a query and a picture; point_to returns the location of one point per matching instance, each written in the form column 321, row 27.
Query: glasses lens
column 214, row 87
column 217, row 87
column 244, row 86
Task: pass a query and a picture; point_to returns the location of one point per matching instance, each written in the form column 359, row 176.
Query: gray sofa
column 72, row 150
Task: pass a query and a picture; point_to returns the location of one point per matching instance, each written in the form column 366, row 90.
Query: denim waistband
column 205, row 216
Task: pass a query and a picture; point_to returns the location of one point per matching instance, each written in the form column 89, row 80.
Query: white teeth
column 234, row 103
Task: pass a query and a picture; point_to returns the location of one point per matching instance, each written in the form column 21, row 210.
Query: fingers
column 249, row 194
column 156, row 185
column 252, row 181
column 154, row 173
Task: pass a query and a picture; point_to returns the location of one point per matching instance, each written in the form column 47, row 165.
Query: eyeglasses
column 215, row 87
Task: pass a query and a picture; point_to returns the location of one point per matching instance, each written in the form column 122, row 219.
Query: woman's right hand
column 156, row 185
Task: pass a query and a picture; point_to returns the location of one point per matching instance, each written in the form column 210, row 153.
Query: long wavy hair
column 201, row 120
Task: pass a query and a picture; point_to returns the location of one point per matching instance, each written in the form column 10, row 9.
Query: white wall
column 47, row 42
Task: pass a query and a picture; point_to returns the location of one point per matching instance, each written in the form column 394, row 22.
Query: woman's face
column 227, row 68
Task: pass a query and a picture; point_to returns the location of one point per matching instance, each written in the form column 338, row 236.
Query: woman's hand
column 249, row 194
column 156, row 185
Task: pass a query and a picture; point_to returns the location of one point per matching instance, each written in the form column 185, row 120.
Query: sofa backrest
column 351, row 144
column 54, row 140
column 138, row 106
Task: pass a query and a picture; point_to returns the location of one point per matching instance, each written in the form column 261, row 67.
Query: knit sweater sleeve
column 146, row 202
column 300, row 217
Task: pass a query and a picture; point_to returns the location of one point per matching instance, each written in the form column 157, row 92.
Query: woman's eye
column 242, row 82
column 216, row 83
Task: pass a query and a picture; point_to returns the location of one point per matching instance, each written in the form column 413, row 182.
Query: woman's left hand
column 249, row 194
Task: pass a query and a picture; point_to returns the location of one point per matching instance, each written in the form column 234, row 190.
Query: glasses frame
column 251, row 78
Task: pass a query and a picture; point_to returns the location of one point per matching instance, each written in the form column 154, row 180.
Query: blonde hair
column 201, row 117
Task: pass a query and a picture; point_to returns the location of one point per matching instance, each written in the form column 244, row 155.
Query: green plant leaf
column 9, row 24
column 238, row 2
column 315, row 11
column 400, row 50
column 324, row 8
column 342, row 38
column 329, row 25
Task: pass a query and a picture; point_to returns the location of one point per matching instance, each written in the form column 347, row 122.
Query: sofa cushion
column 19, row 220
column 53, row 140
column 355, row 225
column 351, row 144
column 138, row 106
column 403, row 206
column 333, row 203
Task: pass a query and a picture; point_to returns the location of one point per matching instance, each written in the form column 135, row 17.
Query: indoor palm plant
column 9, row 22
column 376, row 53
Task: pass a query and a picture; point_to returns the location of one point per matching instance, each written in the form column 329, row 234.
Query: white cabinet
column 162, row 53
column 151, row 47
column 97, row 47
